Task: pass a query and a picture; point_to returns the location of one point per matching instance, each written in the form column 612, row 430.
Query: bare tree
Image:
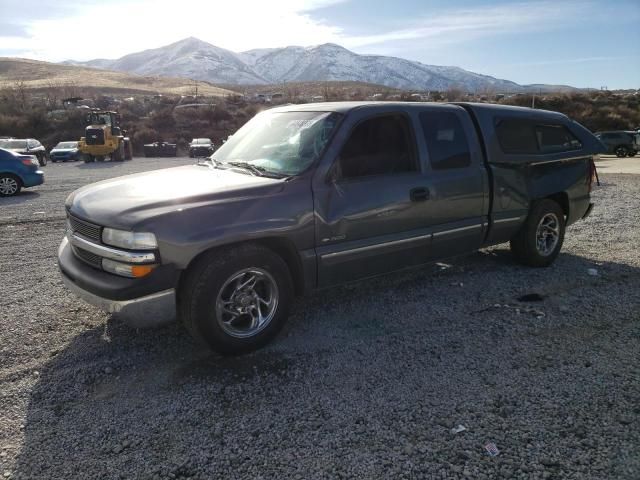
column 20, row 93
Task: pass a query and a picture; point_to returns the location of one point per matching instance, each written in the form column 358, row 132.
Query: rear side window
column 378, row 146
column 517, row 136
column 446, row 141
column 556, row 138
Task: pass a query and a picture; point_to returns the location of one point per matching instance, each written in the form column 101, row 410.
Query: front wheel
column 632, row 153
column 9, row 185
column 539, row 240
column 236, row 299
column 620, row 152
column 42, row 159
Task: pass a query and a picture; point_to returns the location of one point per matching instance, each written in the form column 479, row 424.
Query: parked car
column 160, row 149
column 201, row 147
column 309, row 196
column 621, row 143
column 18, row 171
column 28, row 146
column 65, row 152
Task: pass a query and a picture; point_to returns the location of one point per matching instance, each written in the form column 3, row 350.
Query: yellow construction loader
column 104, row 138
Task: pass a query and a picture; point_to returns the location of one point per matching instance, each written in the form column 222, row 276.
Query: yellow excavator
column 104, row 138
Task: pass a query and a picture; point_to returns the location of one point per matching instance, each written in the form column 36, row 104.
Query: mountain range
column 199, row 60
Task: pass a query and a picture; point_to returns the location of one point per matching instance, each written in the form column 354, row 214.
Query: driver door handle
column 419, row 194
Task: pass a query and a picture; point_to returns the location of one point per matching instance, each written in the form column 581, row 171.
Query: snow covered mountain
column 333, row 62
column 193, row 58
column 190, row 58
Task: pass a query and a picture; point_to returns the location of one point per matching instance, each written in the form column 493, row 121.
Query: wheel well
column 282, row 247
column 562, row 199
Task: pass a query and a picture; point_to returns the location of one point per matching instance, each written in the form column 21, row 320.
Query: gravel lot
column 366, row 381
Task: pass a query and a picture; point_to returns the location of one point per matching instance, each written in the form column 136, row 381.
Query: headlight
column 129, row 240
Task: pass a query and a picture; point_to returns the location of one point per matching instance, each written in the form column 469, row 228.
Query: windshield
column 14, row 144
column 62, row 145
column 280, row 142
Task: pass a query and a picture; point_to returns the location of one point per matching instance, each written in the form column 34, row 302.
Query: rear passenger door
column 458, row 181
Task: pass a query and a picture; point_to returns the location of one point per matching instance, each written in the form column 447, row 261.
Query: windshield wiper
column 256, row 169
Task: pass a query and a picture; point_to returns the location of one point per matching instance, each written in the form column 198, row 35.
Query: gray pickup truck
column 309, row 196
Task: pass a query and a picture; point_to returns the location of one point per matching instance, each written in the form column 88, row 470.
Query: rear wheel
column 620, row 152
column 632, row 153
column 539, row 240
column 236, row 299
column 87, row 158
column 9, row 185
column 42, row 159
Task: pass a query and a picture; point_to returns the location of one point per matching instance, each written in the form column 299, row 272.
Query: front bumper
column 200, row 152
column 145, row 309
column 63, row 157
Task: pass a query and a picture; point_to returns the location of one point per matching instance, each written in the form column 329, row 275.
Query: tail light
column 29, row 160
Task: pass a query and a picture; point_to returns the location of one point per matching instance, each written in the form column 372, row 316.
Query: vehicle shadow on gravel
column 98, row 165
column 354, row 368
column 23, row 196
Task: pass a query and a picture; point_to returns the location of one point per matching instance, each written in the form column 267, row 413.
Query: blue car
column 64, row 151
column 18, row 171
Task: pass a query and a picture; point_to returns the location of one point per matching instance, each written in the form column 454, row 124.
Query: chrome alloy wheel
column 547, row 234
column 247, row 302
column 8, row 186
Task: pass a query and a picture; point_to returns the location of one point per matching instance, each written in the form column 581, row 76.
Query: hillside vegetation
column 37, row 112
column 43, row 76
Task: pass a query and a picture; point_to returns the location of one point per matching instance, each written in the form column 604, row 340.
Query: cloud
column 80, row 33
column 463, row 24
column 13, row 29
column 76, row 29
column 631, row 58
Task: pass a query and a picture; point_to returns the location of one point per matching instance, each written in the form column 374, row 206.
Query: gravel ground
column 366, row 381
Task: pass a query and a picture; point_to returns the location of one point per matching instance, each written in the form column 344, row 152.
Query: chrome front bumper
column 144, row 312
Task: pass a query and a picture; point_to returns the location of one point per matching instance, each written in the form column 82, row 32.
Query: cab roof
column 345, row 107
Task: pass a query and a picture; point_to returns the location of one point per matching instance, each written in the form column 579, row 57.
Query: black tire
column 99, row 158
column 620, row 151
column 632, row 153
column 207, row 282
column 10, row 185
column 524, row 244
column 42, row 159
column 87, row 158
column 118, row 154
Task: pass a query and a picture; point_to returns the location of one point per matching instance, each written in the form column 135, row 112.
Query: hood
column 124, row 202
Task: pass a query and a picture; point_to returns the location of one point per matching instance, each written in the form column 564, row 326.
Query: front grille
column 88, row 257
column 94, row 136
column 86, row 229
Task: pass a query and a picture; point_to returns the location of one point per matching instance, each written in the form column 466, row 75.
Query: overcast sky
column 585, row 43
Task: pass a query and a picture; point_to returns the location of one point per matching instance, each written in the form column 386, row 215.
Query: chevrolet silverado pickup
column 310, row 196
